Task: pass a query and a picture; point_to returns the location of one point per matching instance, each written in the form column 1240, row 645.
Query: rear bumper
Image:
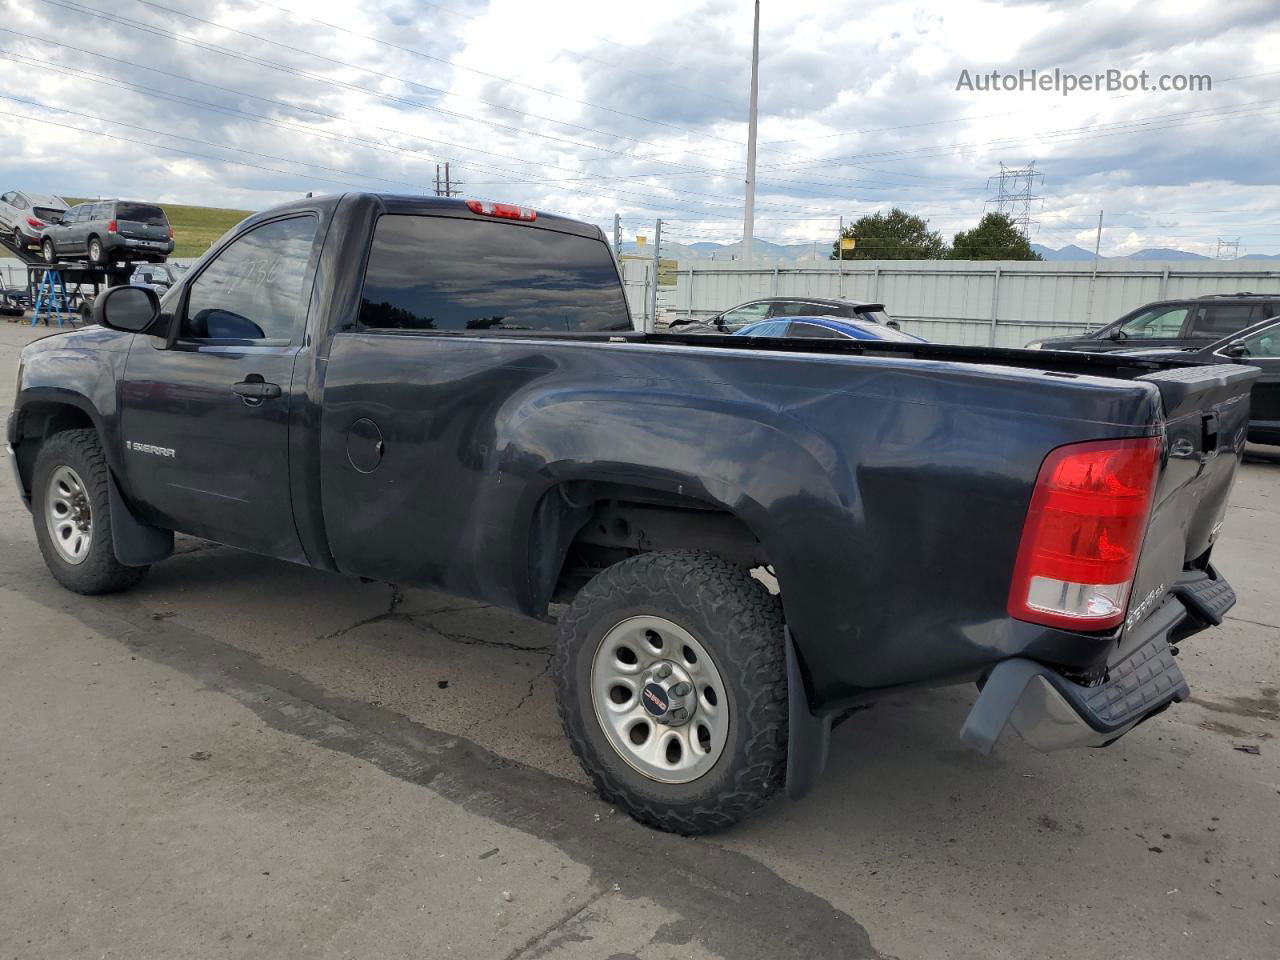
column 131, row 245
column 1051, row 712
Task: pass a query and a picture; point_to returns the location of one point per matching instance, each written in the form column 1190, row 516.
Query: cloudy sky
column 588, row 109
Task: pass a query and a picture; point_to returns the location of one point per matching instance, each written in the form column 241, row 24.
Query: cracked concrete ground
column 246, row 758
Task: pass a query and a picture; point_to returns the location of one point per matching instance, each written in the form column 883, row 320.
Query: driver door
column 206, row 421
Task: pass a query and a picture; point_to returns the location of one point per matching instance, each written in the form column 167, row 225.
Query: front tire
column 670, row 676
column 48, row 252
column 71, row 509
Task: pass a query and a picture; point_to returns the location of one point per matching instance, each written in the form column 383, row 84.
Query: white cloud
column 641, row 110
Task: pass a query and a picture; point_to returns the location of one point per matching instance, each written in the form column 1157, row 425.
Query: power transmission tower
column 1015, row 193
column 1228, row 248
column 445, row 187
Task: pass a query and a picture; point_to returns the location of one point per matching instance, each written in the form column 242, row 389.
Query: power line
column 982, row 116
column 151, row 92
column 415, row 83
column 390, row 98
column 699, row 170
column 663, row 203
column 684, row 91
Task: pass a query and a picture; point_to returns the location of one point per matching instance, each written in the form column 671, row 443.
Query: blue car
column 826, row 328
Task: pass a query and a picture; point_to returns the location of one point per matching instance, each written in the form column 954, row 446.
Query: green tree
column 896, row 235
column 994, row 238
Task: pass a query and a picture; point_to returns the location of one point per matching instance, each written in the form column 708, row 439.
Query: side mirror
column 1236, row 349
column 128, row 309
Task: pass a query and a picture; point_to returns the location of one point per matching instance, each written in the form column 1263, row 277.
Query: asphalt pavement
column 246, row 758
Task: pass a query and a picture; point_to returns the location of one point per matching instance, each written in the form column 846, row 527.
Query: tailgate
column 142, row 231
column 1206, row 418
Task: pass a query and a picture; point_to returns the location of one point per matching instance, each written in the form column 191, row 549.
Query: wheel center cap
column 655, row 699
column 668, row 694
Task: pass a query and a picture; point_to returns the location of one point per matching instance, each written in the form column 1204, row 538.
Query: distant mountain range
column 1072, row 252
column 765, row 251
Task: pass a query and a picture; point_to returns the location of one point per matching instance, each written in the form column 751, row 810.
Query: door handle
column 254, row 389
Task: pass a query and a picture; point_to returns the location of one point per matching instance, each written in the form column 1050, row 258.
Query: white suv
column 25, row 215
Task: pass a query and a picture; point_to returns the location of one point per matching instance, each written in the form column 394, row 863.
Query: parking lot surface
column 244, row 758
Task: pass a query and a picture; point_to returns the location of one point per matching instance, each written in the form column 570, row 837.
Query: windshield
column 1163, row 321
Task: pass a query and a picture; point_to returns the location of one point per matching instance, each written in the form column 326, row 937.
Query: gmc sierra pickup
column 451, row 395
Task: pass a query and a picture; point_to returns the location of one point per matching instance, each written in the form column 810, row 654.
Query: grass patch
column 194, row 228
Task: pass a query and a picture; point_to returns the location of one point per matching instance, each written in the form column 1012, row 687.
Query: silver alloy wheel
column 95, row 250
column 659, row 699
column 68, row 515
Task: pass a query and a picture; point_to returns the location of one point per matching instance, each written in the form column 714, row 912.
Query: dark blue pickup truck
column 748, row 536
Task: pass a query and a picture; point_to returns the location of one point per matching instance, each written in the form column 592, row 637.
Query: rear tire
column 665, row 599
column 96, row 254
column 71, row 509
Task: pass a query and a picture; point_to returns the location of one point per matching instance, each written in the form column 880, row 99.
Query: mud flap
column 808, row 737
column 136, row 544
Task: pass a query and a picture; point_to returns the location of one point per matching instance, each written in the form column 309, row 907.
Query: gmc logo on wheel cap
column 655, row 699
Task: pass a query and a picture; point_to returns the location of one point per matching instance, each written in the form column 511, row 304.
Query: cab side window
column 253, row 289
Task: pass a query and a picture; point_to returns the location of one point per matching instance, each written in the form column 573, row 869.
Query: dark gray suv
column 109, row 231
column 1194, row 322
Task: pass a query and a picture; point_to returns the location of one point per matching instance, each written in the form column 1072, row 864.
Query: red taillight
column 33, row 222
column 171, row 233
column 111, row 226
column 1083, row 534
column 508, row 211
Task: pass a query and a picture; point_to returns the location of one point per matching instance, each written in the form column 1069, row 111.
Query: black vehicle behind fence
column 451, row 395
column 109, row 231
column 1193, row 322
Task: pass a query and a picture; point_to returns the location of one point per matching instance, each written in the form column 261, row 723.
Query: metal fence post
column 875, row 284
column 775, row 281
column 690, row 310
column 995, row 307
column 1164, row 283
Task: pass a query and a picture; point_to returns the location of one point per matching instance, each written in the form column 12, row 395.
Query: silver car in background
column 24, row 216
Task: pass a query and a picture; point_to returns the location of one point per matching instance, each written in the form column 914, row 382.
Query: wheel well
column 580, row 528
column 39, row 422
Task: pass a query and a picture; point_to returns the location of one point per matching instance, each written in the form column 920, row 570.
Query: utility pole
column 445, row 187
column 617, row 237
column 1228, row 248
column 1093, row 281
column 749, row 210
column 840, row 260
column 651, row 322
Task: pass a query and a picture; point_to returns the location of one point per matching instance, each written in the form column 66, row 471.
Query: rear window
column 440, row 273
column 47, row 214
column 141, row 213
